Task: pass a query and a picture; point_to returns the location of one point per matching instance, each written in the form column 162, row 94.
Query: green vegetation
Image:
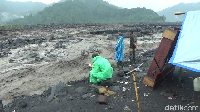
column 12, row 10
column 88, row 11
column 182, row 7
column 10, row 27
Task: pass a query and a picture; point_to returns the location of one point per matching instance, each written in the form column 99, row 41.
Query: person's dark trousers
column 132, row 57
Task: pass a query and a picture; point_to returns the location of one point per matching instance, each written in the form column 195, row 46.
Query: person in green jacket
column 101, row 69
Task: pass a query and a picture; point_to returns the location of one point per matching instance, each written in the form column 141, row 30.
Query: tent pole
column 180, row 75
column 179, row 13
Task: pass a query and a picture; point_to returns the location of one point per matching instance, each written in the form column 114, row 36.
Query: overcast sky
column 156, row 5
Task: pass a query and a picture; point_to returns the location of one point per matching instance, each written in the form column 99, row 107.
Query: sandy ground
column 26, row 77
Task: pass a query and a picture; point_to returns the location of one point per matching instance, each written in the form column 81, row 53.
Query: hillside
column 12, row 10
column 182, row 7
column 89, row 11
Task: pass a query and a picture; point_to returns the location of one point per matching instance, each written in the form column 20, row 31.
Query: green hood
column 95, row 58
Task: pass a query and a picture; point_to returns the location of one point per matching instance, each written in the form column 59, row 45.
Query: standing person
column 119, row 50
column 133, row 47
column 101, row 69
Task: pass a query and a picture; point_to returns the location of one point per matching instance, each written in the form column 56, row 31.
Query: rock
column 69, row 96
column 108, row 82
column 114, row 88
column 31, row 55
column 22, row 104
column 104, row 34
column 1, row 54
column 149, row 33
column 11, row 60
column 9, row 105
column 84, row 53
column 134, row 29
column 126, row 69
column 139, row 29
column 50, row 98
column 55, row 102
column 46, row 92
column 145, row 31
column 52, row 37
column 1, row 106
column 18, row 42
column 38, row 59
column 121, row 73
column 158, row 27
column 88, row 95
column 111, row 37
column 102, row 99
column 58, row 45
column 55, row 90
column 80, row 89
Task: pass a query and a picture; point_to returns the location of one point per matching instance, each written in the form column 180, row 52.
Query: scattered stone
column 52, row 37
column 46, row 92
column 121, row 73
column 102, row 99
column 104, row 34
column 111, row 37
column 31, row 55
column 22, row 104
column 88, row 95
column 114, row 88
column 55, row 102
column 84, row 53
column 11, row 60
column 90, row 35
column 69, row 96
column 108, row 82
column 38, row 59
column 1, row 106
column 80, row 89
column 55, row 90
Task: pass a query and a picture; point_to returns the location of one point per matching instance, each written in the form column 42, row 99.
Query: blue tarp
column 187, row 51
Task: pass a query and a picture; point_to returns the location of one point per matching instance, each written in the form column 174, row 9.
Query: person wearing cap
column 101, row 69
column 133, row 47
column 119, row 50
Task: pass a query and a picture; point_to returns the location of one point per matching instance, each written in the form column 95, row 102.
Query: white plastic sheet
column 187, row 51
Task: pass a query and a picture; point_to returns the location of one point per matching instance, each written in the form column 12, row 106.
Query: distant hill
column 12, row 10
column 182, row 7
column 89, row 11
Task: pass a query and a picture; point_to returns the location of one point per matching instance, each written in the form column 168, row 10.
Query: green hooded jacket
column 101, row 70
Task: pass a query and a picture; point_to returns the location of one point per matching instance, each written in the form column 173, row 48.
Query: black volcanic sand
column 70, row 100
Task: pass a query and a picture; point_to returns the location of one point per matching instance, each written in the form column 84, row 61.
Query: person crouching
column 101, row 69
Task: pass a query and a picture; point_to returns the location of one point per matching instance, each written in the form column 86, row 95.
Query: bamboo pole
column 134, row 69
column 179, row 13
column 136, row 91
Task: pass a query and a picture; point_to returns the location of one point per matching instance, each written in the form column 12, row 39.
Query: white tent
column 187, row 51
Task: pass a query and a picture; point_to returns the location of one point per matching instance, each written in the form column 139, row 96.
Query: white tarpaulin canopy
column 187, row 51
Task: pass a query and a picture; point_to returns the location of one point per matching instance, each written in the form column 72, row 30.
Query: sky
column 155, row 5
